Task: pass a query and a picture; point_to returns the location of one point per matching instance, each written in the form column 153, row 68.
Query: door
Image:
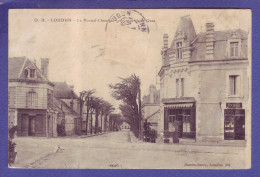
column 240, row 127
column 31, row 125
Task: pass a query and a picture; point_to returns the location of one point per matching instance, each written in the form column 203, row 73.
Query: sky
column 90, row 53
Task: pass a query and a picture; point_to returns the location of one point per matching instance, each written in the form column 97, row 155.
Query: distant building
column 30, row 98
column 151, row 107
column 68, row 102
column 124, row 125
column 205, row 84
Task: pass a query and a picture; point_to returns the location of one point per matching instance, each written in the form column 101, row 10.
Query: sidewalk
column 189, row 147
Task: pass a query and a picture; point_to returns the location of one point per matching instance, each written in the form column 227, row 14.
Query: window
column 31, row 99
column 233, row 49
column 234, row 85
column 186, row 123
column 179, row 51
column 177, row 87
column 180, row 87
column 32, row 73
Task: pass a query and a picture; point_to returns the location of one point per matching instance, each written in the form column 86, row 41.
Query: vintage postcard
column 129, row 88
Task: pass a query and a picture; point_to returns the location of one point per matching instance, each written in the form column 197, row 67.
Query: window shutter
column 27, row 99
column 231, row 85
column 238, row 85
column 36, row 99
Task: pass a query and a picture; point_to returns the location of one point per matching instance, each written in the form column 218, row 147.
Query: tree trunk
column 91, row 123
column 101, row 123
column 87, row 121
column 96, row 122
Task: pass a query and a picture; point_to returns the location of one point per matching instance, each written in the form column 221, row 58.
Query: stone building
column 68, row 102
column 205, row 84
column 30, row 98
column 151, row 107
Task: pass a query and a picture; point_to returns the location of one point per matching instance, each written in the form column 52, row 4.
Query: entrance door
column 240, row 127
column 31, row 125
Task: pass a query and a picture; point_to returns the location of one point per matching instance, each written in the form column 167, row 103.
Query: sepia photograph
column 129, row 88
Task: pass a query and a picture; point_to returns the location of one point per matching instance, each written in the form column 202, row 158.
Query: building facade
column 205, row 84
column 151, row 107
column 68, row 103
column 30, row 98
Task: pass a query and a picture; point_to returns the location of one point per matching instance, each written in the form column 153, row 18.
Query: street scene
column 129, row 89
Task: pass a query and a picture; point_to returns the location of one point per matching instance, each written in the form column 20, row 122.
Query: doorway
column 31, row 130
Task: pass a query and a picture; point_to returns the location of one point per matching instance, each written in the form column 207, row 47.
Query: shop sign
column 234, row 105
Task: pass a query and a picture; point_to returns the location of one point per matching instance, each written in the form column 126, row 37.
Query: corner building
column 204, row 84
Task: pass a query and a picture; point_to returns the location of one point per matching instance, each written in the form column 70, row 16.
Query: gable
column 29, row 65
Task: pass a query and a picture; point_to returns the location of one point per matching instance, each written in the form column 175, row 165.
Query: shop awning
column 184, row 105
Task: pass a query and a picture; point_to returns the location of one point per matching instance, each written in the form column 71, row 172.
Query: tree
column 115, row 121
column 127, row 90
column 88, row 102
column 106, row 109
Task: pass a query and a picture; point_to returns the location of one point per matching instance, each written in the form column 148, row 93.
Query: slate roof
column 185, row 25
column 17, row 66
column 63, row 91
column 220, row 41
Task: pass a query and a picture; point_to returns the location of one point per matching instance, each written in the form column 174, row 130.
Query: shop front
column 234, row 123
column 180, row 117
column 31, row 122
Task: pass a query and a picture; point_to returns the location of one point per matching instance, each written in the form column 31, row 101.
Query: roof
column 186, row 27
column 220, row 41
column 62, row 107
column 63, row 91
column 17, row 67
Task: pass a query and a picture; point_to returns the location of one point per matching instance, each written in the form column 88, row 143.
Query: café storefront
column 180, row 117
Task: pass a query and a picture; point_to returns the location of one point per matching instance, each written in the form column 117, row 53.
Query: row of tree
column 129, row 92
column 101, row 109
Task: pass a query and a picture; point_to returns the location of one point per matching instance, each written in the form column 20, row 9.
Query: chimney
column 44, row 67
column 72, row 104
column 209, row 40
column 152, row 89
column 165, row 41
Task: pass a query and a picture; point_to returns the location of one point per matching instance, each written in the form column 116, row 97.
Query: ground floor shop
column 204, row 122
column 36, row 122
column 180, row 117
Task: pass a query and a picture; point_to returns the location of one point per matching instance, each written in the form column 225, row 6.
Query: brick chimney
column 209, row 40
column 44, row 67
column 165, row 41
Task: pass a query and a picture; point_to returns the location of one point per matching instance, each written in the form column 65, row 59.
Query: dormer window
column 30, row 73
column 179, row 51
column 233, row 49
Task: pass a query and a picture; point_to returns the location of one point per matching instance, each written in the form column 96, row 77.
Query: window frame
column 239, row 87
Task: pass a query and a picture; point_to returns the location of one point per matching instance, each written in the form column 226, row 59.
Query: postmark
column 131, row 19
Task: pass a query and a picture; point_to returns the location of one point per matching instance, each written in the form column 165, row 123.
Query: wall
column 18, row 90
column 213, row 97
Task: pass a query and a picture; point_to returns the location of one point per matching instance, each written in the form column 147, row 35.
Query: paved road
column 115, row 150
